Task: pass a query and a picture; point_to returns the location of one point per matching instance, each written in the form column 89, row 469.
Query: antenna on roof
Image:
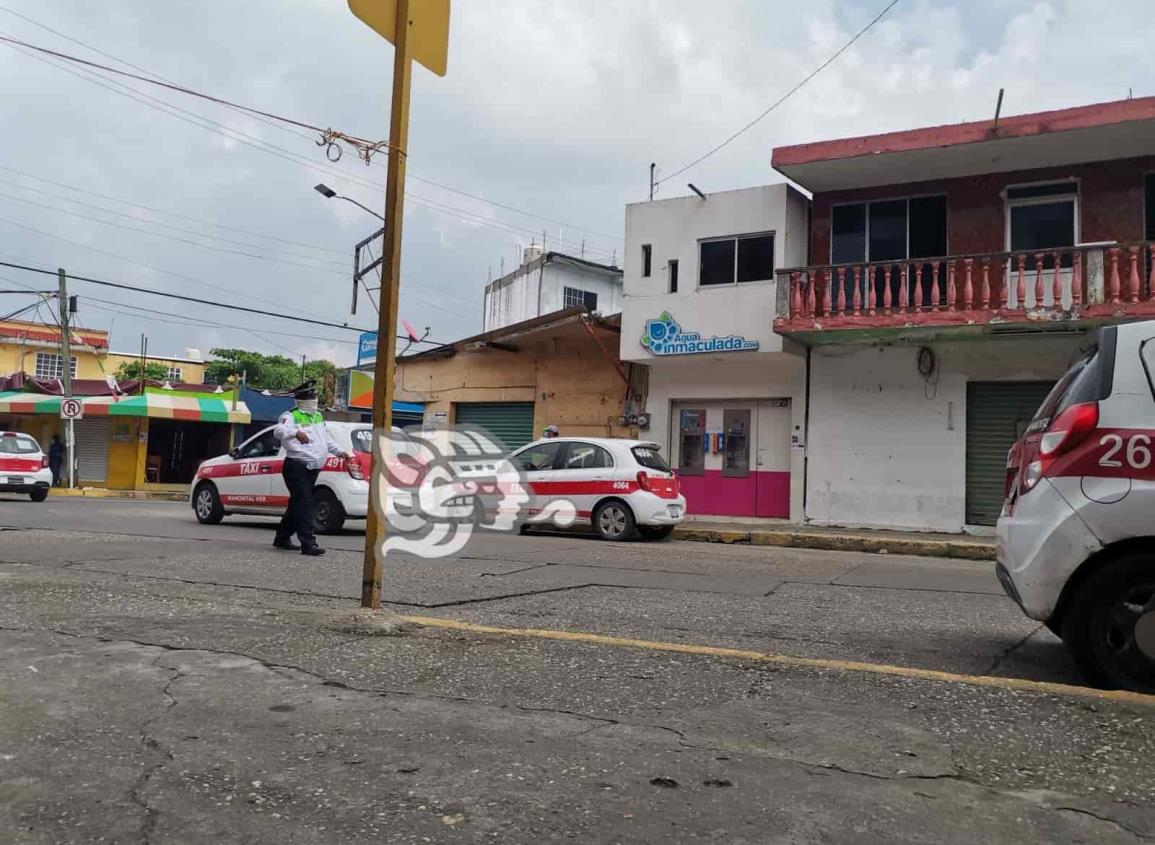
column 998, row 111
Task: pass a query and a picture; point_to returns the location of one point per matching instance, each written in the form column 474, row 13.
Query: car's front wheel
column 207, row 505
column 655, row 532
column 39, row 494
column 613, row 520
column 329, row 516
column 1109, row 626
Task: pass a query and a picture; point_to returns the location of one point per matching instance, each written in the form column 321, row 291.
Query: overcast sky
column 552, row 108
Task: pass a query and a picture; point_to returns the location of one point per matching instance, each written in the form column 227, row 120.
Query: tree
column 130, row 371
column 271, row 372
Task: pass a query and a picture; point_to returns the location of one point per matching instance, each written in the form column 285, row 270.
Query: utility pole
column 66, row 372
column 653, row 167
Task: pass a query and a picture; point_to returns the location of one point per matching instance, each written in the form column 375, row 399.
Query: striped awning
column 165, row 406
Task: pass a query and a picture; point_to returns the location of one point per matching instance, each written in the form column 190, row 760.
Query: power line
column 284, row 124
column 177, row 296
column 783, row 98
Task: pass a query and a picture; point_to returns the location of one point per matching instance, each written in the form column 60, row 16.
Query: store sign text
column 665, row 337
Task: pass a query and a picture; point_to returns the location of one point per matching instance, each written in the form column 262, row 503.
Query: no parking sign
column 71, row 409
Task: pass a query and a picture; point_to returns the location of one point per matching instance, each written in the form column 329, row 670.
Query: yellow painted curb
column 1018, row 684
column 102, row 493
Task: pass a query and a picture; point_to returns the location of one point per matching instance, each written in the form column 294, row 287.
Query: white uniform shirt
column 321, row 443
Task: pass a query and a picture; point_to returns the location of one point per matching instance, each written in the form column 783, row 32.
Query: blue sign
column 665, row 337
column 367, row 348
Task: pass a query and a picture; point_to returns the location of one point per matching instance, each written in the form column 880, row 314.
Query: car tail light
column 353, row 465
column 644, row 481
column 1069, row 429
column 44, row 462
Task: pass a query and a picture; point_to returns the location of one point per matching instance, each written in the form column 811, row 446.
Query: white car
column 623, row 488
column 23, row 466
column 248, row 480
column 1076, row 539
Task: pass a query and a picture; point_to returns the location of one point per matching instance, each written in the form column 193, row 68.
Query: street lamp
column 328, row 193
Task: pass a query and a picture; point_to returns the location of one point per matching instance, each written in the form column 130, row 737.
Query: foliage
column 270, row 372
column 130, row 371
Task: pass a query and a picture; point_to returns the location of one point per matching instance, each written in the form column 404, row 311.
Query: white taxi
column 248, row 480
column 23, row 466
column 623, row 488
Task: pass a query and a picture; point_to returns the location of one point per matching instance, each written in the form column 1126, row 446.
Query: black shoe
column 287, row 545
column 312, row 551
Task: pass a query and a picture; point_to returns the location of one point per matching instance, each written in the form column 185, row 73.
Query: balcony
column 1064, row 289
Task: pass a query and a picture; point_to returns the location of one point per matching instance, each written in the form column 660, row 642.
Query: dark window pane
column 1043, row 226
column 736, row 447
column 648, row 457
column 647, row 253
column 756, row 258
column 673, row 276
column 537, row 458
column 1149, row 204
column 691, row 449
column 590, row 300
column 848, row 233
column 717, row 263
column 928, row 227
column 1052, row 190
column 887, row 230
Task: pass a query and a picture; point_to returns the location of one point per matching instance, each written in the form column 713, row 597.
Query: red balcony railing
column 1052, row 284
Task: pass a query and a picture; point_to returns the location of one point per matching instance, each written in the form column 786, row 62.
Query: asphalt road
column 166, row 681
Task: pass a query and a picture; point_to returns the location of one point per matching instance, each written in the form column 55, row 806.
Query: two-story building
column 548, row 282
column 953, row 271
column 725, row 401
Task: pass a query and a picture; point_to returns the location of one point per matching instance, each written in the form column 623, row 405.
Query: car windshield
column 648, row 457
column 1089, row 379
column 18, row 445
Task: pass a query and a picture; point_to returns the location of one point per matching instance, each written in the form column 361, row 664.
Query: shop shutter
column 997, row 414
column 509, row 422
column 92, row 437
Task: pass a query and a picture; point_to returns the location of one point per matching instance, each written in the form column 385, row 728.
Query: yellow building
column 152, row 439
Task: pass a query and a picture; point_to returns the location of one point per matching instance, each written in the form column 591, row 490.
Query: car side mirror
column 234, row 453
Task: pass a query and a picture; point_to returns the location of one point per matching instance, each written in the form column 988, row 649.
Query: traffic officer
column 307, row 444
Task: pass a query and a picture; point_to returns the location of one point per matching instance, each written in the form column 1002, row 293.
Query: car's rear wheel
column 39, row 494
column 1109, row 626
column 655, row 532
column 329, row 515
column 613, row 520
column 207, row 505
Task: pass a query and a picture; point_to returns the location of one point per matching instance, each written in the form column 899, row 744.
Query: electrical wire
column 177, row 296
column 273, row 120
column 781, row 99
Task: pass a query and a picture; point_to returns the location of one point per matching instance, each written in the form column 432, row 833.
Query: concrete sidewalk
column 840, row 539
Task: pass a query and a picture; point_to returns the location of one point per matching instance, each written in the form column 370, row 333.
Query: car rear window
column 648, row 457
column 1089, row 379
column 362, row 440
column 18, row 445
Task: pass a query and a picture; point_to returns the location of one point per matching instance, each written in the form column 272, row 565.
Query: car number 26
column 1137, row 453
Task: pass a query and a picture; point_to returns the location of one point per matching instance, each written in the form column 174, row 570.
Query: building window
column 647, row 257
column 673, row 269
column 745, row 258
column 174, row 374
column 576, row 296
column 1149, row 206
column 49, row 366
column 1043, row 217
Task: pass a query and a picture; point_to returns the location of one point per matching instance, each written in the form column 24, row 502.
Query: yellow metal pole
column 374, row 563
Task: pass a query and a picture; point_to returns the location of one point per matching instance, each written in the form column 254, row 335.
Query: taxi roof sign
column 429, row 19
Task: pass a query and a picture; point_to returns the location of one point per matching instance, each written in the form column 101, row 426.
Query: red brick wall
column 1110, row 205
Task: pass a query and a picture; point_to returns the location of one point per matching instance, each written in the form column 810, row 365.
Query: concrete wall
column 537, row 288
column 674, row 228
column 571, row 383
column 732, row 379
column 1110, row 205
column 886, row 449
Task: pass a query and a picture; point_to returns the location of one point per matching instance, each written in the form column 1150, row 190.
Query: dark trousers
column 55, row 465
column 299, row 515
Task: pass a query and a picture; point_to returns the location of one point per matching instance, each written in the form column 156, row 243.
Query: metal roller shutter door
column 509, row 422
column 92, row 438
column 997, row 414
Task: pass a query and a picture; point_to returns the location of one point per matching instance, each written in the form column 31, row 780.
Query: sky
column 544, row 127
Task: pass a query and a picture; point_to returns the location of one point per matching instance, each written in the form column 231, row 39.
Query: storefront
column 150, row 441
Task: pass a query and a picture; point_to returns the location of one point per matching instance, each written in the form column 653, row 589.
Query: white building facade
column 726, row 399
column 548, row 282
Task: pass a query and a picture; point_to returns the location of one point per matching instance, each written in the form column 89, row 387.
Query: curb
column 961, row 549
column 101, row 493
